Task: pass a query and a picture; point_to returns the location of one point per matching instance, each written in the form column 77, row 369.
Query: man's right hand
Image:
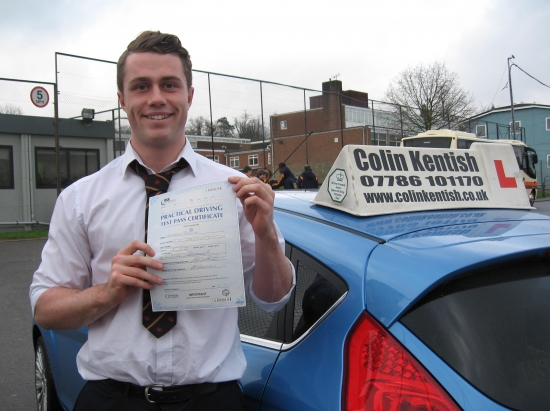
column 128, row 271
column 67, row 308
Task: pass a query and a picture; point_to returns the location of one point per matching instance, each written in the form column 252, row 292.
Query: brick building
column 230, row 151
column 316, row 136
column 234, row 152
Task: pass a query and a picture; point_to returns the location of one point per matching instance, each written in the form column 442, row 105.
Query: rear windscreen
column 431, row 142
column 493, row 328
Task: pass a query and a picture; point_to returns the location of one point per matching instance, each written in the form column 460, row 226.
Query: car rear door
column 304, row 371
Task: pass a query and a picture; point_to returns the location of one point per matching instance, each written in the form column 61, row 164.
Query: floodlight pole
column 513, row 129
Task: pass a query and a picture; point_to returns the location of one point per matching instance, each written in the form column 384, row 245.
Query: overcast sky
column 299, row 42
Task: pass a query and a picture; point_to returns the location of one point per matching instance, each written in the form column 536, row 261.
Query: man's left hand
column 272, row 272
column 257, row 199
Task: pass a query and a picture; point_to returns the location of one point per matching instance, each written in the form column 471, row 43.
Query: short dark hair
column 246, row 169
column 282, row 165
column 155, row 42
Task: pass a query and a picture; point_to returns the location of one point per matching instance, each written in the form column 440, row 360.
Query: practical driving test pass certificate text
column 195, row 234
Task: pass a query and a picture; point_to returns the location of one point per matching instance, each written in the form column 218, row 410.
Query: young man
column 93, row 269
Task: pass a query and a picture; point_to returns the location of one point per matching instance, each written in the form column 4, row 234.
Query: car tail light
column 381, row 375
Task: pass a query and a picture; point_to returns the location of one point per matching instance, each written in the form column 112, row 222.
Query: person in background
column 287, row 179
column 262, row 175
column 270, row 181
column 248, row 171
column 307, row 179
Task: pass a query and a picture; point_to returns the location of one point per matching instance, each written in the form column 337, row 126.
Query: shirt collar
column 187, row 153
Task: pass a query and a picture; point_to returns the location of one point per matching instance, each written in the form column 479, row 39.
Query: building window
column 283, row 125
column 481, row 130
column 234, row 162
column 395, row 140
column 73, row 165
column 253, row 160
column 6, row 167
column 358, row 115
column 216, row 158
column 268, row 158
column 379, row 138
column 547, row 123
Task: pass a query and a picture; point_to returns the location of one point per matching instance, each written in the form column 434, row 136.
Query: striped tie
column 158, row 323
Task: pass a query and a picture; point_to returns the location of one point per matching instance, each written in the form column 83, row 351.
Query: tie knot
column 158, row 183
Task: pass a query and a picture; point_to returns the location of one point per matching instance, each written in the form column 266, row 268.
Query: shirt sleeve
column 66, row 255
column 249, row 255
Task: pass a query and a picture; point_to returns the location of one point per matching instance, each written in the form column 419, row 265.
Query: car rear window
column 493, row 328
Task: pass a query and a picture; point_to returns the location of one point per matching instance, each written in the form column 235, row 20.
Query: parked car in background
column 426, row 309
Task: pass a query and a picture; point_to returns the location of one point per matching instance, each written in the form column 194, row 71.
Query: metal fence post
column 305, row 125
column 263, row 128
column 56, row 132
column 211, row 123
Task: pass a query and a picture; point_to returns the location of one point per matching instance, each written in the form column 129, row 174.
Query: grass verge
column 23, row 235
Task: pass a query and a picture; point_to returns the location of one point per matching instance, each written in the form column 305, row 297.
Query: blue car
column 422, row 284
column 438, row 310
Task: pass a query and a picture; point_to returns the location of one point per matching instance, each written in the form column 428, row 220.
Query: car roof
column 417, row 251
column 384, row 228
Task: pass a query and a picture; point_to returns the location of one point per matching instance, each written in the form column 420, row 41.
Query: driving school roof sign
column 371, row 180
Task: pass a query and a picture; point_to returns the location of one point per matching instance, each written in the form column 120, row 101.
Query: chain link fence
column 15, row 98
column 244, row 122
column 493, row 131
column 543, row 176
column 233, row 120
column 496, row 131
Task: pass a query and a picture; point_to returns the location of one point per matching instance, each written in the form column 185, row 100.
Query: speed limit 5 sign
column 40, row 96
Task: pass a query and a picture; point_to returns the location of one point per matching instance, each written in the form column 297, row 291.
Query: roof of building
column 18, row 124
column 521, row 106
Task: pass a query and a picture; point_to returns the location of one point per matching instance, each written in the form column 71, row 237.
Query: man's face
column 156, row 100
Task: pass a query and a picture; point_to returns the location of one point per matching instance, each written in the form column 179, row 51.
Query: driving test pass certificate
column 195, row 234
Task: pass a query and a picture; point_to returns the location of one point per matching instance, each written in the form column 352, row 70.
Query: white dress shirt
column 93, row 219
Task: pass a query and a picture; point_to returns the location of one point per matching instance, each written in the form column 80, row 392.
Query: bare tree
column 250, row 127
column 245, row 126
column 427, row 98
column 198, row 126
column 124, row 128
column 10, row 109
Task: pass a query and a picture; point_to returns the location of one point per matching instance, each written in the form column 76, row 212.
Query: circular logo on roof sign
column 338, row 185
